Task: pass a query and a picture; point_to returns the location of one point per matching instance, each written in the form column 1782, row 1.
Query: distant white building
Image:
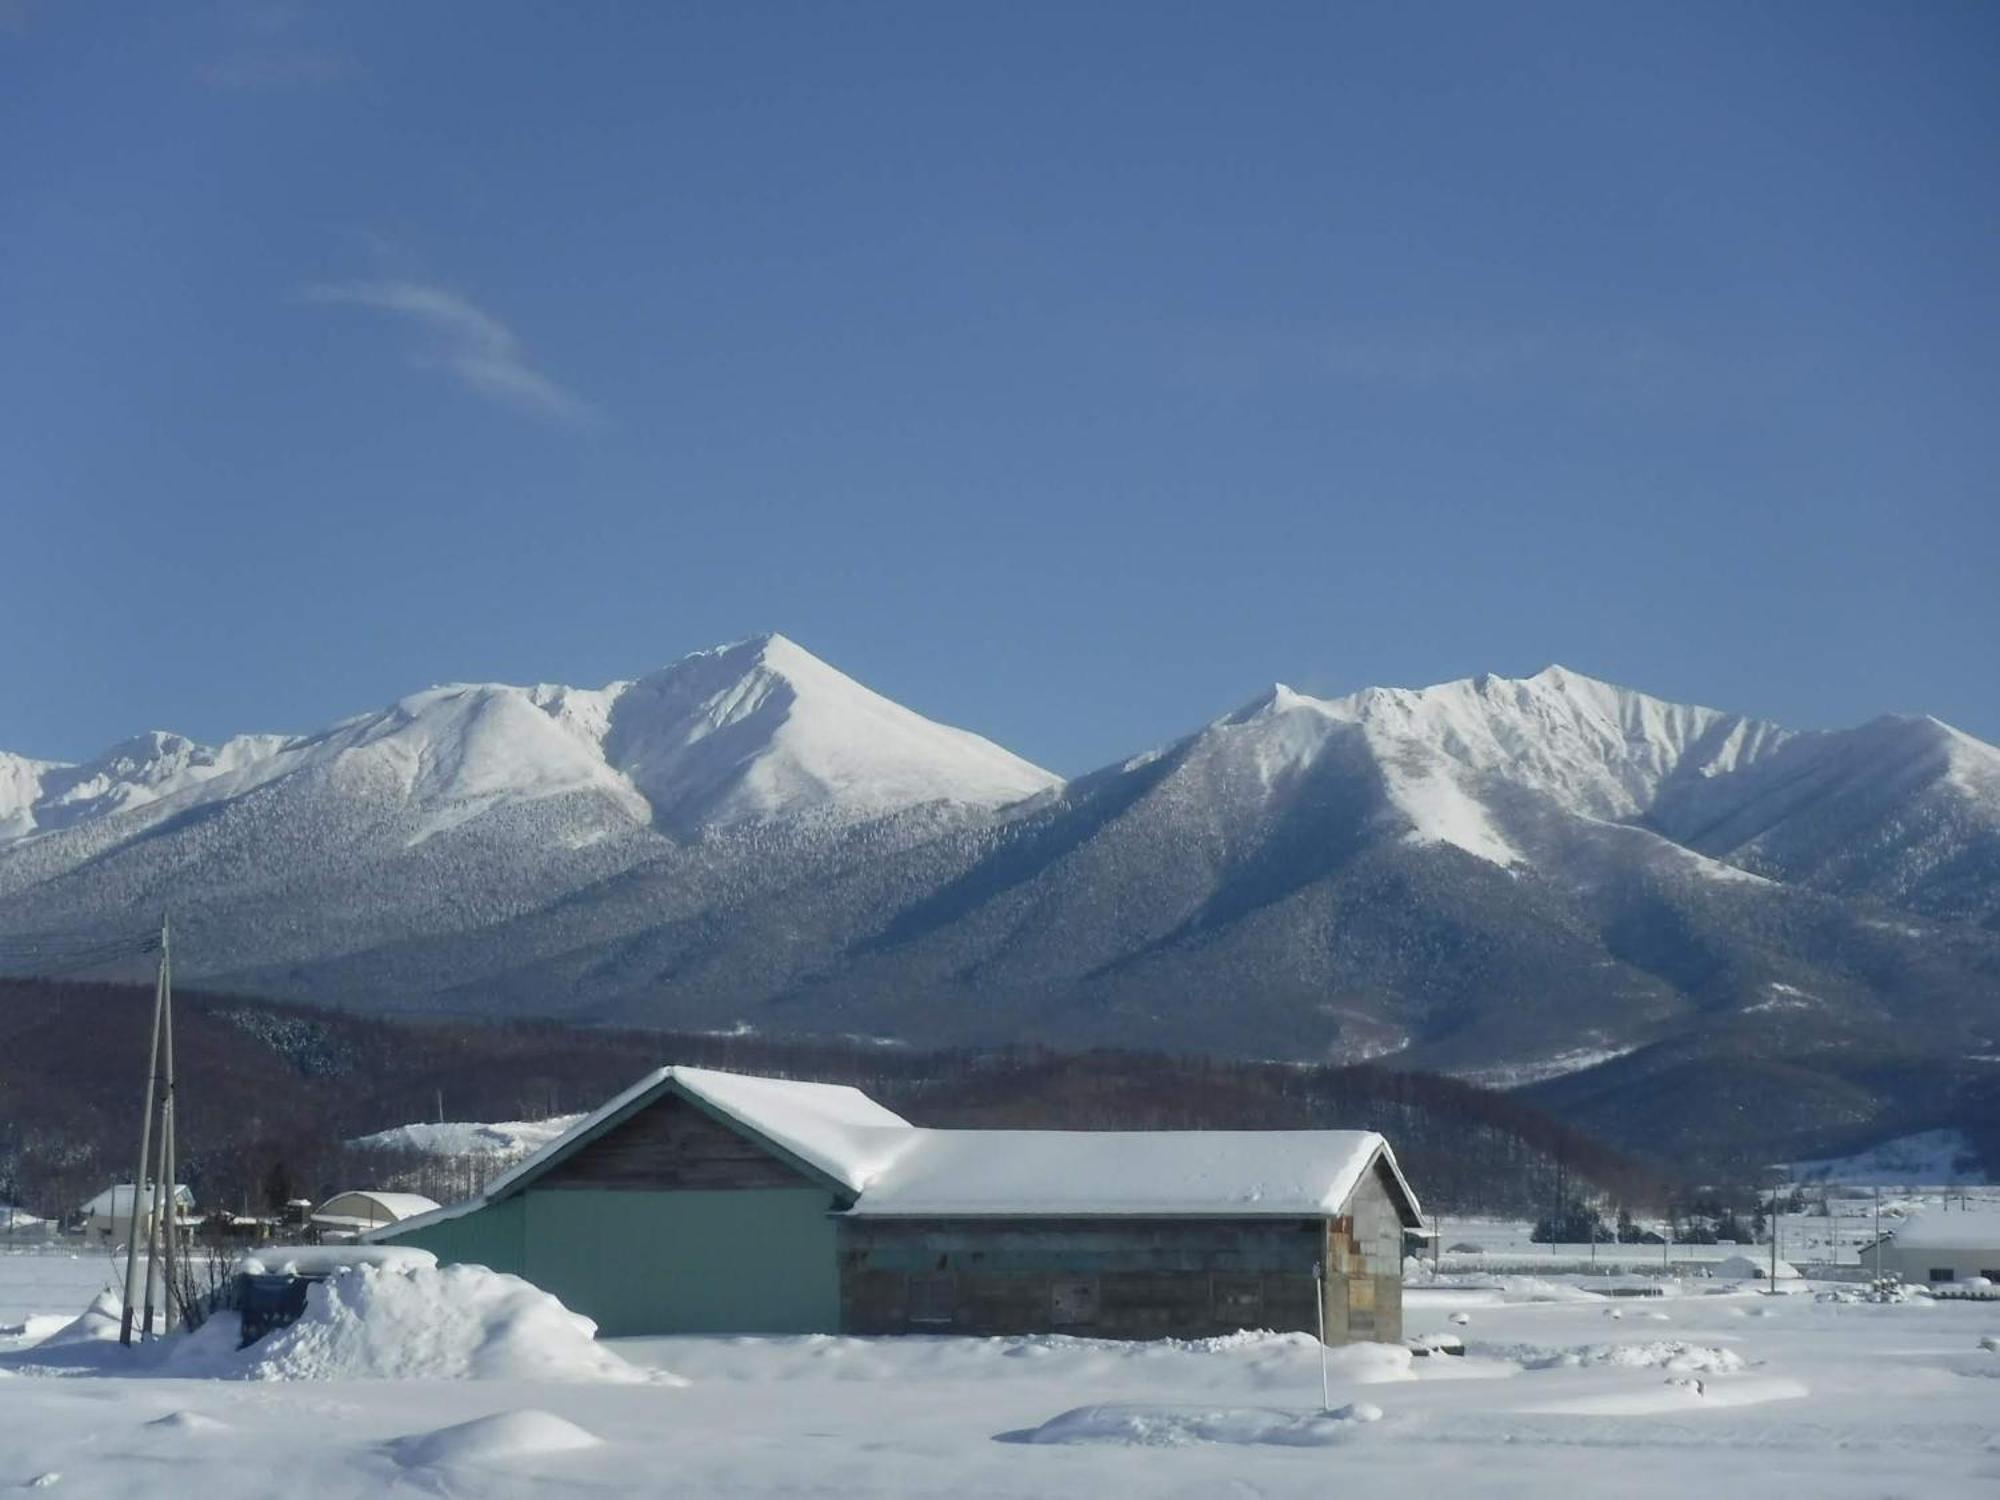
column 1753, row 1268
column 108, row 1216
column 1939, row 1246
column 349, row 1215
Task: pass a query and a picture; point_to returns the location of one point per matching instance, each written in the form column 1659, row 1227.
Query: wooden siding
column 671, row 1144
column 1110, row 1278
column 1129, row 1278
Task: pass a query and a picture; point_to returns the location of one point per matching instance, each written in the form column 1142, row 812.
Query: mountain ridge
column 1519, row 878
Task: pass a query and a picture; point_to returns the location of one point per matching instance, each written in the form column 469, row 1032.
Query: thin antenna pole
column 145, row 1149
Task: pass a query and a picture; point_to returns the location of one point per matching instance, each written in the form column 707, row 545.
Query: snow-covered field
column 1836, row 1240
column 1712, row 1386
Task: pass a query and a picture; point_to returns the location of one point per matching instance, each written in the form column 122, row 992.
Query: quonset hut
column 707, row 1202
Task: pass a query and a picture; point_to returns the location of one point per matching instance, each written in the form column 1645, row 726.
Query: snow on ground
column 1707, row 1389
column 48, row 1282
column 502, row 1138
column 1932, row 1156
column 1806, row 1240
column 405, row 1320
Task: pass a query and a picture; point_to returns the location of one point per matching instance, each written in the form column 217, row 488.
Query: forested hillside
column 268, row 1094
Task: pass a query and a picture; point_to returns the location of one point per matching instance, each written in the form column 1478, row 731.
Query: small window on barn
column 1991, row 1274
column 1943, row 1273
column 933, row 1299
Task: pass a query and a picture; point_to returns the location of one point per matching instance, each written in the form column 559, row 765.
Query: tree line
column 272, row 1093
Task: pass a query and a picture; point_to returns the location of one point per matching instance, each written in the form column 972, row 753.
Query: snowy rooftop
column 116, row 1202
column 965, row 1173
column 896, row 1169
column 1949, row 1229
column 391, row 1205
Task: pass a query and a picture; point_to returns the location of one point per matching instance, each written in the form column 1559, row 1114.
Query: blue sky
column 1067, row 372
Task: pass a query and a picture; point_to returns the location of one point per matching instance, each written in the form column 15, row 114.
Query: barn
column 1941, row 1246
column 706, row 1202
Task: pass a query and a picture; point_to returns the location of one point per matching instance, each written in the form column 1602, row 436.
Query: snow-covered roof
column 829, row 1128
column 1948, row 1229
column 1752, row 1268
column 892, row 1168
column 1169, row 1173
column 834, row 1129
column 116, row 1202
column 393, row 1206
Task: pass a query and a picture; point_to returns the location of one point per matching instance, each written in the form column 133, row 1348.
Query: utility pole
column 169, row 1142
column 160, row 1233
column 145, row 1148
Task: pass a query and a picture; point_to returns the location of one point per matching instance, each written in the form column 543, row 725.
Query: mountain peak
column 761, row 727
column 1276, row 699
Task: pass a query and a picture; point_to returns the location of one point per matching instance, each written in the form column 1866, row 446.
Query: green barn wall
column 737, row 1260
column 492, row 1236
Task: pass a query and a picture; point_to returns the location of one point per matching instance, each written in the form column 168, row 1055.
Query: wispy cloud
column 468, row 343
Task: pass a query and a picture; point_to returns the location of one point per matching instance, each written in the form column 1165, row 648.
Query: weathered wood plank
column 671, row 1144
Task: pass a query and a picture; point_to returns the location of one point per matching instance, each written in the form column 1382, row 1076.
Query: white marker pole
column 1319, row 1306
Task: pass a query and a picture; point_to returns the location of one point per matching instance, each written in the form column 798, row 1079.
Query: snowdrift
column 506, row 1437
column 404, row 1322
column 1177, row 1427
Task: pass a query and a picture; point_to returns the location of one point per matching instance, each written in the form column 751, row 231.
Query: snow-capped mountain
column 752, row 732
column 764, row 730
column 1512, row 878
column 473, row 804
column 1454, row 762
